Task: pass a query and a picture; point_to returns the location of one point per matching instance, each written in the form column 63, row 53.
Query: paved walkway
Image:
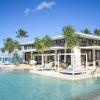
column 20, row 66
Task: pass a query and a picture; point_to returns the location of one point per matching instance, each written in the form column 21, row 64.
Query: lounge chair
column 47, row 66
column 69, row 70
column 33, row 62
column 64, row 65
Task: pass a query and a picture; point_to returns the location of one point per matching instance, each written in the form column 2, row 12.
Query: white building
column 89, row 44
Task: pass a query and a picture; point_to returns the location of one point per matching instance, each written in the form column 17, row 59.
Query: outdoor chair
column 69, row 70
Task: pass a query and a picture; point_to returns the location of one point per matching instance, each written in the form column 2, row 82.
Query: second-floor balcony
column 88, row 44
column 28, row 47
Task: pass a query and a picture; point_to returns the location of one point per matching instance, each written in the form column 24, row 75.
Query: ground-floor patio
column 55, row 74
column 93, row 55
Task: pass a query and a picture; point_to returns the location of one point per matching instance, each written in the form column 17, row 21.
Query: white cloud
column 41, row 6
column 44, row 5
column 27, row 11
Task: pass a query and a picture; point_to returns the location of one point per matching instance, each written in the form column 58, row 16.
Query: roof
column 89, row 36
column 27, row 43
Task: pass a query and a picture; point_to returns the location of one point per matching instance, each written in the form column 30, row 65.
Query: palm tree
column 97, row 32
column 71, row 39
column 41, row 44
column 86, row 31
column 47, row 41
column 16, row 44
column 21, row 33
column 9, row 45
column 38, row 45
column 3, row 50
column 16, row 58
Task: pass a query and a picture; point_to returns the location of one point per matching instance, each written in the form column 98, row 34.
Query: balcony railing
column 89, row 44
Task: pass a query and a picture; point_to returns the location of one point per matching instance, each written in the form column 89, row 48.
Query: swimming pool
column 26, row 86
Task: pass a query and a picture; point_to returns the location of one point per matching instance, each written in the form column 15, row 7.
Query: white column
column 86, row 64
column 42, row 61
column 55, row 57
column 24, row 56
column 58, row 63
column 94, row 58
column 31, row 55
column 73, row 65
column 77, row 56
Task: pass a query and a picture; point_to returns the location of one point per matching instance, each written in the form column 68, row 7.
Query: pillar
column 56, row 57
column 93, row 58
column 31, row 55
column 24, row 57
column 77, row 56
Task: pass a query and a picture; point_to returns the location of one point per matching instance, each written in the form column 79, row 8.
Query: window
column 62, row 42
column 54, row 43
column 94, row 42
column 89, row 55
column 25, row 47
column 97, row 54
column 58, row 41
column 89, row 42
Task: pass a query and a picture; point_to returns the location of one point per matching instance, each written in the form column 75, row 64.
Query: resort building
column 88, row 44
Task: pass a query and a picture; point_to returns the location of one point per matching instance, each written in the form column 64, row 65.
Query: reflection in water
column 24, row 86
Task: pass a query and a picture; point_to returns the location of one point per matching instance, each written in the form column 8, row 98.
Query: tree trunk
column 65, row 52
column 2, row 57
column 42, row 61
column 9, row 57
column 72, row 57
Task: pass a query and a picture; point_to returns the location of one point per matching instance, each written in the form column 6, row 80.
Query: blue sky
column 40, row 17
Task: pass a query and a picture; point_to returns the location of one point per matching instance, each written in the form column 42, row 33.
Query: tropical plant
column 47, row 41
column 97, row 32
column 10, row 45
column 71, row 39
column 86, row 31
column 16, row 43
column 21, row 33
column 41, row 44
column 3, row 50
column 16, row 58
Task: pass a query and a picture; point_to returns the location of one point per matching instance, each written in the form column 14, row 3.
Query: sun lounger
column 69, row 70
column 47, row 66
column 33, row 62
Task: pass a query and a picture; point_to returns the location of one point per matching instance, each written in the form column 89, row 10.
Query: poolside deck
column 55, row 74
column 21, row 66
column 64, row 76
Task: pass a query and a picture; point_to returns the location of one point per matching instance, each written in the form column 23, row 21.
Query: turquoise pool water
column 26, row 86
